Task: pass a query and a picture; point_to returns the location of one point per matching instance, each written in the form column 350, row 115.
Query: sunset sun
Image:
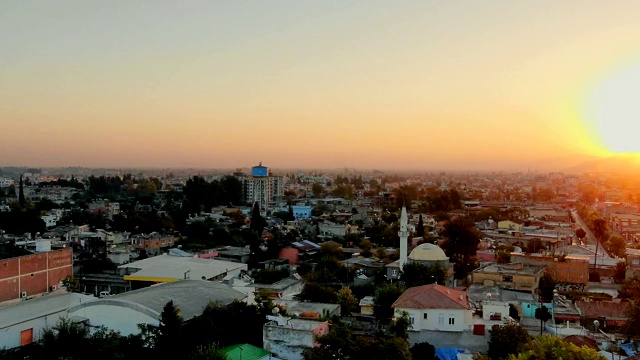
column 612, row 111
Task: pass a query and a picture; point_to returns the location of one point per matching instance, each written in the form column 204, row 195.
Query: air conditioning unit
column 54, row 288
column 23, row 294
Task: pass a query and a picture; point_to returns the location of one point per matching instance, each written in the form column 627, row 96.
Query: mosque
column 427, row 254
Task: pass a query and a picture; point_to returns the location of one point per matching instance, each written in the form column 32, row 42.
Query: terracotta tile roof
column 432, row 297
column 581, row 341
column 607, row 309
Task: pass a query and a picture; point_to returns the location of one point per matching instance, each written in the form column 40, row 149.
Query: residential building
column 633, row 263
column 567, row 270
column 261, row 186
column 514, row 276
column 435, row 307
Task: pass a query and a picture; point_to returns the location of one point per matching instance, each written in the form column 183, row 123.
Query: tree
column 580, row 233
column 318, row 190
column 384, row 296
column 542, row 313
column 546, row 286
column 617, row 246
column 631, row 329
column 620, row 272
column 257, row 222
column 506, row 340
column 208, row 352
column 348, row 302
column 170, row 324
column 71, row 283
column 339, row 343
column 417, row 274
column 599, row 231
column 423, row 351
column 420, row 228
column 554, row 348
column 461, row 246
column 21, row 198
column 630, row 289
column 400, row 326
column 365, row 246
column 290, row 216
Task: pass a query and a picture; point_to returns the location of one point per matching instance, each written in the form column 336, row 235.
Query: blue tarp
column 628, row 349
column 448, row 353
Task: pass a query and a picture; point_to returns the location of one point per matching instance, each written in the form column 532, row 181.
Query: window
column 441, row 319
column 412, row 320
column 424, row 316
column 507, row 278
column 635, row 262
column 452, row 320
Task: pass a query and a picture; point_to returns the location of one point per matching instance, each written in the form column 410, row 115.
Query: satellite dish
column 275, row 310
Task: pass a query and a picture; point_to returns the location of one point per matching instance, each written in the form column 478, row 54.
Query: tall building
column 262, row 187
column 404, row 235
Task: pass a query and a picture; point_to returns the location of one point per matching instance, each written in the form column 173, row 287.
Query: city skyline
column 368, row 85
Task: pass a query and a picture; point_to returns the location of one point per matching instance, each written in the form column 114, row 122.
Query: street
column 589, row 240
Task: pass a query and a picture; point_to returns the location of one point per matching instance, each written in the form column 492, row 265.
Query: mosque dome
column 428, row 252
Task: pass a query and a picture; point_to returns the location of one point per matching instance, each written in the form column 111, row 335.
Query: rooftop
column 516, row 268
column 432, row 297
column 245, row 352
column 192, row 296
column 15, row 313
column 293, row 306
column 172, row 268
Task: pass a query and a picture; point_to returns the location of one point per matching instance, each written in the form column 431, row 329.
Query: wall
column 520, row 282
column 285, row 342
column 34, row 274
column 460, row 340
column 121, row 317
column 10, row 336
column 462, row 319
column 574, row 271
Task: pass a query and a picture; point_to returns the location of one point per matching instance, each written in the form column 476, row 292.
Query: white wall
column 462, row 319
column 115, row 317
column 495, row 307
column 10, row 336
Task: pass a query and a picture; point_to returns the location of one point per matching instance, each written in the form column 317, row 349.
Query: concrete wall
column 460, row 340
column 520, row 282
column 438, row 319
column 10, row 336
column 286, row 342
column 495, row 307
column 34, row 274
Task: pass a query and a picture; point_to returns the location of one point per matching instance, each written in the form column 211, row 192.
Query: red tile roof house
column 609, row 313
column 435, row 307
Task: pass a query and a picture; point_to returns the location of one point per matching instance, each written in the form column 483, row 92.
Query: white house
column 435, row 307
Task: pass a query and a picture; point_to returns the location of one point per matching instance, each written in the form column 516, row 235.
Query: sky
column 460, row 85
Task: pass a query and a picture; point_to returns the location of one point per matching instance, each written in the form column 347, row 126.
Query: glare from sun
column 613, row 111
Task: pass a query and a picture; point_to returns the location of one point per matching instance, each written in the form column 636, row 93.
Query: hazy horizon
column 451, row 86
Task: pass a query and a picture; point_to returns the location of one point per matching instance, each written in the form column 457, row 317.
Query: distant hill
column 561, row 163
column 617, row 164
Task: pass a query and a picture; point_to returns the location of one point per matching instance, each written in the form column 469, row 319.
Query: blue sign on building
column 260, row 171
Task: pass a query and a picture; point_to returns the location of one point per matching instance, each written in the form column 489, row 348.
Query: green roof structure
column 245, row 352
